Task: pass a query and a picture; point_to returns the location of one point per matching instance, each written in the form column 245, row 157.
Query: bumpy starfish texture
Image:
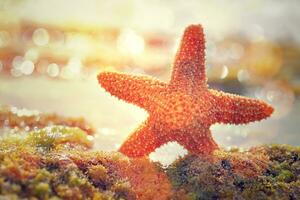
column 183, row 109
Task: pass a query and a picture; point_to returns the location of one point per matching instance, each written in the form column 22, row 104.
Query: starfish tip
column 269, row 110
column 194, row 29
column 101, row 75
column 106, row 80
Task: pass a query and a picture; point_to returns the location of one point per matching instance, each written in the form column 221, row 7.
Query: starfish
column 183, row 109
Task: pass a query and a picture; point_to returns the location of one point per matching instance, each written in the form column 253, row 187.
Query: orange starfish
column 184, row 109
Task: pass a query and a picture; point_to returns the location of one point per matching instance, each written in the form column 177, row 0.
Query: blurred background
column 52, row 51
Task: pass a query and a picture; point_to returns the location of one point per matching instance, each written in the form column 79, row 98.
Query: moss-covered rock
column 267, row 172
column 57, row 163
column 24, row 119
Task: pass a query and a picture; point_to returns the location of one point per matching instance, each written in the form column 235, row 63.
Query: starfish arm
column 189, row 69
column 197, row 141
column 235, row 109
column 139, row 90
column 141, row 142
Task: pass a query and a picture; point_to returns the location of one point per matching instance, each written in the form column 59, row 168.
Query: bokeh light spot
column 243, row 75
column 32, row 54
column 27, row 67
column 17, row 61
column 40, row 37
column 225, row 72
column 53, row 70
column 129, row 42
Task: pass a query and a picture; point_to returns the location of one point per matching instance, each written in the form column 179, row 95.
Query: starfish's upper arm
column 189, row 65
column 139, row 90
column 235, row 109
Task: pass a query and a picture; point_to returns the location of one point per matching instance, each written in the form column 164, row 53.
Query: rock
column 266, row 172
column 58, row 163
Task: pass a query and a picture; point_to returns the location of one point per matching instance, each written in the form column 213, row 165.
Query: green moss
column 121, row 188
column 224, row 176
column 24, row 120
column 285, row 176
column 51, row 137
column 55, row 163
column 46, row 139
column 76, row 179
column 42, row 190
